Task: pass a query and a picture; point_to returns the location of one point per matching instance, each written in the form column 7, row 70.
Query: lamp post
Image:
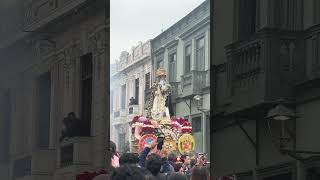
column 198, row 100
column 287, row 119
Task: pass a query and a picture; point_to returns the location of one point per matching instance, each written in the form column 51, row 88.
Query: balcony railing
column 75, row 151
column 116, row 114
column 66, row 156
column 193, row 82
column 245, row 62
column 133, row 109
column 22, row 167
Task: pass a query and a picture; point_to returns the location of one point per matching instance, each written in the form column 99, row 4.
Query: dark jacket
column 166, row 167
column 143, row 156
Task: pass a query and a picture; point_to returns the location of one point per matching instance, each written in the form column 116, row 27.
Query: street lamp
column 197, row 99
column 287, row 119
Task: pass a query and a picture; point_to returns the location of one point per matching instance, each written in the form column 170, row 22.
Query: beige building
column 54, row 58
column 183, row 49
column 130, row 79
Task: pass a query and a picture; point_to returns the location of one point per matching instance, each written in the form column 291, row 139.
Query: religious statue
column 160, row 106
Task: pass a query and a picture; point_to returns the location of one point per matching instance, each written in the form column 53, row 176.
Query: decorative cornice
column 159, row 51
column 196, row 27
column 172, row 44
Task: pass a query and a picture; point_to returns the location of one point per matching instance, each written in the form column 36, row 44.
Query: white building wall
column 131, row 66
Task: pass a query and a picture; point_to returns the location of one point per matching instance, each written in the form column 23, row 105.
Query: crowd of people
column 151, row 165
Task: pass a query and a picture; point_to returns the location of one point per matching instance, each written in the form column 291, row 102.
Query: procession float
column 160, row 121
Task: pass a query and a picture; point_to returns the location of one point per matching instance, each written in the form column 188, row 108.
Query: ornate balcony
column 38, row 13
column 263, row 69
column 22, row 168
column 193, row 83
column 75, row 151
column 133, row 109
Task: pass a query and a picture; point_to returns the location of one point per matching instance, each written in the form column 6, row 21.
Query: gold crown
column 161, row 72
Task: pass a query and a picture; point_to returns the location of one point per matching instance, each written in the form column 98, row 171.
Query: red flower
column 135, row 119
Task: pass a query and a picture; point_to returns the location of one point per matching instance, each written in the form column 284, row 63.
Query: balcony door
column 172, row 67
column 44, row 84
column 123, row 96
column 200, row 59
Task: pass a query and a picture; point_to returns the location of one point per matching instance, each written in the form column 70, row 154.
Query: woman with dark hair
column 111, row 163
column 178, row 167
column 114, row 155
column 200, row 173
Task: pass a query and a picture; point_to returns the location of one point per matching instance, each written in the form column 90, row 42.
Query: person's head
column 200, row 173
column 177, row 166
column 153, row 164
column 183, row 158
column 71, row 115
column 171, row 157
column 113, row 147
column 128, row 172
column 161, row 74
column 193, row 162
column 128, row 158
column 177, row 176
column 187, row 160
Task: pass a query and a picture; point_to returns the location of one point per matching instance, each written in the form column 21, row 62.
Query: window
column 137, row 91
column 247, row 18
column 196, row 124
column 187, row 59
column 159, row 63
column 123, row 96
column 172, row 67
column 147, row 80
column 200, row 54
column 44, row 84
column 86, row 91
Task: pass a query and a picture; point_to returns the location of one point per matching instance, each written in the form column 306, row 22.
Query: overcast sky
column 132, row 21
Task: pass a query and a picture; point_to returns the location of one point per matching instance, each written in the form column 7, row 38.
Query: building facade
column 54, row 60
column 265, row 55
column 183, row 50
column 130, row 80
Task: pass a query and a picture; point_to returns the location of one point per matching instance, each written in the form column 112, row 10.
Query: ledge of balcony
column 75, row 151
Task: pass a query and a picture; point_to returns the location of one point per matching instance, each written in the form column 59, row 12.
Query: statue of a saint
column 160, row 106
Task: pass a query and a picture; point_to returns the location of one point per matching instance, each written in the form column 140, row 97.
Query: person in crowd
column 166, row 167
column 172, row 158
column 129, row 158
column 114, row 155
column 111, row 163
column 193, row 162
column 178, row 167
column 144, row 154
column 153, row 164
column 130, row 172
column 200, row 173
column 177, row 176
